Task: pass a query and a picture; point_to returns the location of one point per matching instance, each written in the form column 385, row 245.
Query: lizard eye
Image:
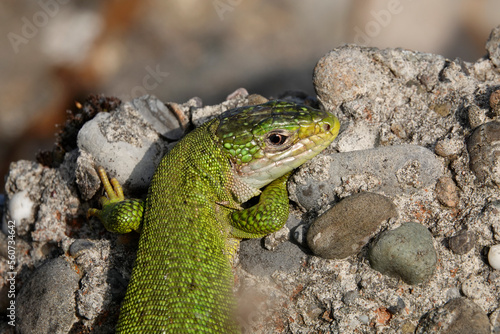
column 276, row 138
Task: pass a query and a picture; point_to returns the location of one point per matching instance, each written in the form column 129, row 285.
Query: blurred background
column 56, row 52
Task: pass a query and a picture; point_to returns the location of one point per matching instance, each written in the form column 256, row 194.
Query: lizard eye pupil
column 276, row 139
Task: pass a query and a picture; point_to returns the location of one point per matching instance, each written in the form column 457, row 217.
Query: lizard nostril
column 326, row 127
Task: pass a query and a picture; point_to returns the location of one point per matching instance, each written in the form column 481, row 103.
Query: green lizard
column 192, row 219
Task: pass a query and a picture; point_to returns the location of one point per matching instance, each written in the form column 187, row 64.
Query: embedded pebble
column 398, row 307
column 350, row 297
column 475, row 288
column 484, row 150
column 447, row 192
column 406, row 252
column 462, row 242
column 393, row 170
column 494, row 257
column 449, row 147
column 356, row 137
column 459, row 315
column 345, row 228
column 442, row 109
column 46, row 302
column 21, row 209
column 476, row 116
column 495, row 102
column 79, row 246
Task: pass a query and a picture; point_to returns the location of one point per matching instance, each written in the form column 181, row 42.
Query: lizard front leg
column 267, row 216
column 118, row 215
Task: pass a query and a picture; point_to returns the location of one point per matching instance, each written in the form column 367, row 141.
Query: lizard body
column 192, row 220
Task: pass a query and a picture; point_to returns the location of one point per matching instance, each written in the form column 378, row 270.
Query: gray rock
column 258, row 261
column 484, row 151
column 458, row 316
column 392, row 170
column 344, row 229
column 158, row 116
column 406, row 252
column 46, row 302
column 462, row 242
column 124, row 143
column 79, row 246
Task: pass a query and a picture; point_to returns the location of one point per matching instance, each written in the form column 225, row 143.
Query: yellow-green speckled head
column 266, row 141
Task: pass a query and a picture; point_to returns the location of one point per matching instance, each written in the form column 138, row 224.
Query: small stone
column 495, row 102
column 46, row 302
column 400, row 306
column 255, row 99
column 484, row 151
column 275, row 239
column 448, row 148
column 344, row 229
column 239, row 93
column 462, row 242
column 442, row 109
column 21, row 210
column 350, row 297
column 79, row 246
column 476, row 116
column 494, row 257
column 447, row 192
column 475, row 288
column 406, row 252
column 457, row 316
column 357, row 137
column 299, row 234
column 364, row 319
column 408, row 328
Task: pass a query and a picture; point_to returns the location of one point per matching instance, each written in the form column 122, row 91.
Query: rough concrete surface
column 420, row 110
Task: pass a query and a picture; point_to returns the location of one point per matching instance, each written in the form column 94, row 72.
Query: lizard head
column 266, row 141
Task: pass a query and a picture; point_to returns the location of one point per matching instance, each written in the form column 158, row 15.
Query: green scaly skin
column 192, row 220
